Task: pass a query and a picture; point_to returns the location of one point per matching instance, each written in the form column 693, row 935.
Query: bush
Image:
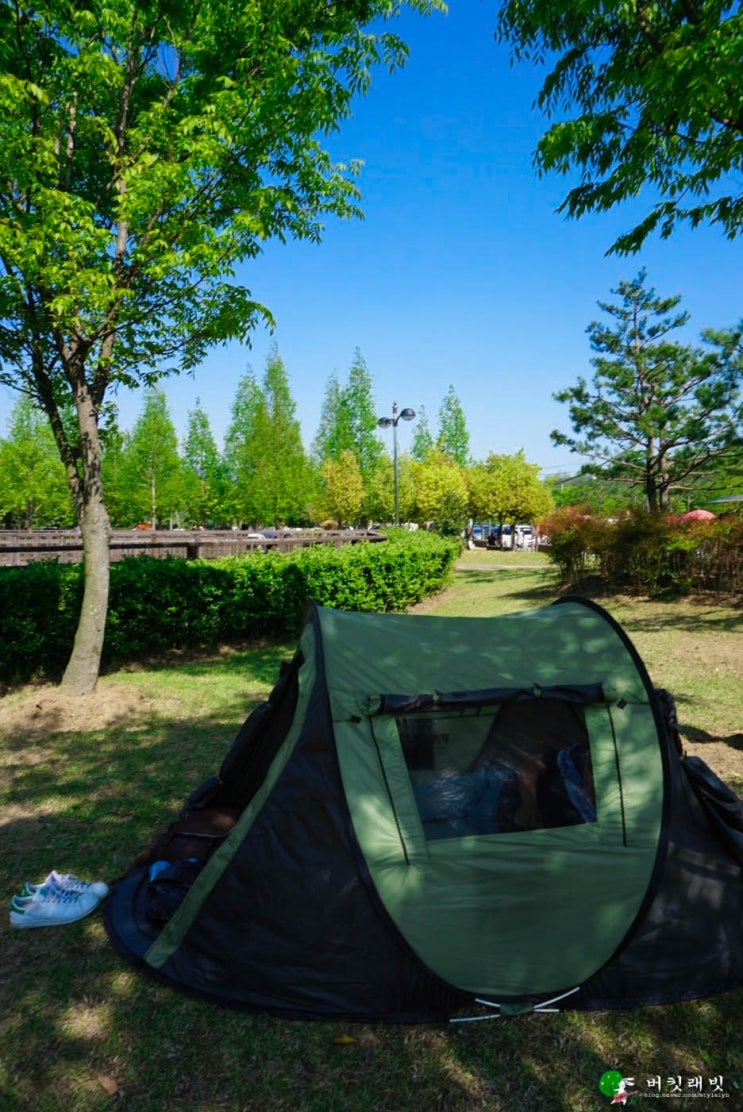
column 574, row 542
column 156, row 605
column 648, row 554
column 39, row 608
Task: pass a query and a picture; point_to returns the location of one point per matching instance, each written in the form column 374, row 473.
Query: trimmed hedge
column 156, row 605
column 648, row 554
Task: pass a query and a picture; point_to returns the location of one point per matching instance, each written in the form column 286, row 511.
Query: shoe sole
column 23, row 921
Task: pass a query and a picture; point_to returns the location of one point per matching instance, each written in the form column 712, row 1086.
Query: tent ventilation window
column 499, row 769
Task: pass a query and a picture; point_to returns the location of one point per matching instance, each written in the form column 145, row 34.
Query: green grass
column 86, row 790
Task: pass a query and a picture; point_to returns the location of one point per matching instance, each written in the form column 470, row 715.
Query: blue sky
column 462, row 273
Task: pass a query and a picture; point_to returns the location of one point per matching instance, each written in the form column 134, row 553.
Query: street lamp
column 384, row 423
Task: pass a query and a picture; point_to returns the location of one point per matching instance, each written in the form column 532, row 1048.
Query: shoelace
column 68, row 882
column 50, row 893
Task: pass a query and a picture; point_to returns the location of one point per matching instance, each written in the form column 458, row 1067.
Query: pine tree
column 658, row 412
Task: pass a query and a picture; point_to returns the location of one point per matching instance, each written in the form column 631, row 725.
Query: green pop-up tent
column 430, row 813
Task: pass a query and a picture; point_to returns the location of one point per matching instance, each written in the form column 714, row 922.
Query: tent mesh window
column 520, row 766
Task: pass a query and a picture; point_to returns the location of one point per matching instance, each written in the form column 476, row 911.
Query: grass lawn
column 85, row 785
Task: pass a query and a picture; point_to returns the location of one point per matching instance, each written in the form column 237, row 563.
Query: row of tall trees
column 263, row 476
column 661, row 425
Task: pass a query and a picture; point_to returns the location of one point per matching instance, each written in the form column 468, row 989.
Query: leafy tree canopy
column 147, row 149
column 441, row 492
column 643, row 92
column 593, row 494
column 507, row 489
column 33, row 487
column 344, row 487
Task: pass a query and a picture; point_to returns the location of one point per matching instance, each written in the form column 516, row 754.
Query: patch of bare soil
column 725, row 757
column 44, row 710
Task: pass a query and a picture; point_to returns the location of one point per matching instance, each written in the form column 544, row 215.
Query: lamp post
column 384, row 423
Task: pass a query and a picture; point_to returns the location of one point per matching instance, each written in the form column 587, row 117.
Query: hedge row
column 648, row 554
column 156, row 605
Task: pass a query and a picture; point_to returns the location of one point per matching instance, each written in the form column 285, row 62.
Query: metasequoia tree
column 33, row 490
column 147, row 148
column 151, row 467
column 265, row 460
column 453, row 439
column 348, row 421
column 204, row 472
column 422, row 442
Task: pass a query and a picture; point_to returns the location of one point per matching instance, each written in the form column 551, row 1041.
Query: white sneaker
column 68, row 882
column 50, row 906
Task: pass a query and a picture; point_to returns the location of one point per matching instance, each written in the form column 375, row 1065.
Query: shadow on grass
column 78, row 1023
column 257, row 658
column 537, row 585
column 695, row 734
column 690, row 614
column 678, row 620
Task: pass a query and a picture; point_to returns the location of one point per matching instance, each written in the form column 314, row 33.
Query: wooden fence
column 24, row 546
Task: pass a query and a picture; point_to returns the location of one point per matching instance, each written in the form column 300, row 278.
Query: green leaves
column 653, row 95
column 453, row 439
column 508, row 489
column 157, row 605
column 146, row 150
column 33, row 486
column 657, row 412
column 264, row 455
column 154, row 147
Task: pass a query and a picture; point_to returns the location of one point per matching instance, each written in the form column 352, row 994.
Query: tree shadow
column 77, row 1022
column 695, row 734
column 679, row 621
column 259, row 659
column 690, row 614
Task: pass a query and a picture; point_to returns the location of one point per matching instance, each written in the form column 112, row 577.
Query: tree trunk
column 651, row 487
column 81, row 674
